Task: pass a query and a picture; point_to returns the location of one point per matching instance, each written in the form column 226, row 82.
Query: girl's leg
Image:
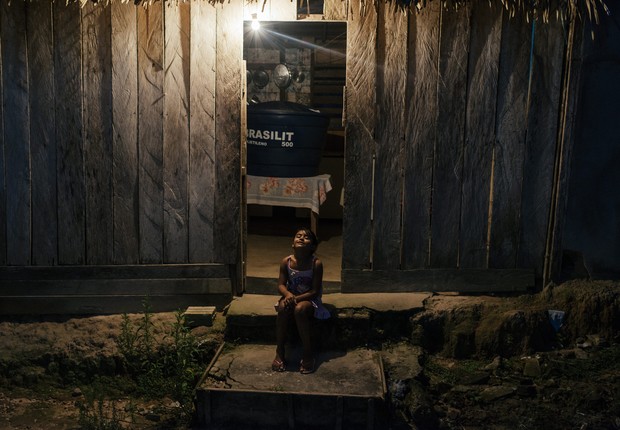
column 303, row 314
column 282, row 323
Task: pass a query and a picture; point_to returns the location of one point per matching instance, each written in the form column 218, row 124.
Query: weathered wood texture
column 360, row 112
column 448, row 148
column 479, row 152
column 421, row 134
column 228, row 63
column 388, row 186
column 176, row 131
column 335, row 10
column 69, row 135
column 112, row 149
column 16, row 133
column 463, row 280
column 42, row 138
column 483, row 62
column 202, row 133
column 541, row 141
column 125, row 134
column 509, row 151
column 97, row 87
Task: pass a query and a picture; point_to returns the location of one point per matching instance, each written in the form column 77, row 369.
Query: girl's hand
column 289, row 300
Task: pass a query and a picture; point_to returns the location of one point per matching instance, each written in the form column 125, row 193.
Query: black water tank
column 285, row 139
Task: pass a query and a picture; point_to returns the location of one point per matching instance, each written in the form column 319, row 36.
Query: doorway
column 302, row 62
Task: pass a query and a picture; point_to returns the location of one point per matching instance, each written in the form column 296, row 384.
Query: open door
column 300, row 62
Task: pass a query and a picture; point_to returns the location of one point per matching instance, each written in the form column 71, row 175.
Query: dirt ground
column 480, row 362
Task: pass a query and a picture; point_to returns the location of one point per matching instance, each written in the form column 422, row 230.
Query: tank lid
column 282, row 107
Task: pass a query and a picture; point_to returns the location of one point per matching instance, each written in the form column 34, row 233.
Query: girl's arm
column 289, row 298
column 317, row 282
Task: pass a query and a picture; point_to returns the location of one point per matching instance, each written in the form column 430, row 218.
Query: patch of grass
column 155, row 369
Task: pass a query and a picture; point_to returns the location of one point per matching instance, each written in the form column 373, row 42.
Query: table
column 309, row 192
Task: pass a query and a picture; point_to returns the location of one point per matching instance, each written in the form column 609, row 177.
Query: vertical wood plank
column 480, row 133
column 510, row 144
column 150, row 132
column 335, row 10
column 391, row 83
column 96, row 33
column 448, row 161
column 42, row 138
column 16, row 132
column 360, row 116
column 541, row 143
column 125, row 133
column 570, row 99
column 3, row 195
column 228, row 131
column 70, row 164
column 176, row 131
column 202, row 133
column 421, row 133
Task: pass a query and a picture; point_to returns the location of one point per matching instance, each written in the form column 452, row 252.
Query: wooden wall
column 120, row 139
column 452, row 147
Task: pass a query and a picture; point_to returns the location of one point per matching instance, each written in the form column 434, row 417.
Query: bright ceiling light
column 255, row 23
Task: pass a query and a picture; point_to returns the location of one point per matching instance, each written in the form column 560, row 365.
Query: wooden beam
column 42, row 138
column 14, row 60
column 388, row 178
column 176, row 130
column 69, row 124
column 483, row 62
column 202, row 133
column 360, row 113
column 421, row 133
column 125, row 137
column 509, row 149
column 97, row 96
column 437, row 280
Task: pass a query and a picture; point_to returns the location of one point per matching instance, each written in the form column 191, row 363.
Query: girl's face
column 303, row 240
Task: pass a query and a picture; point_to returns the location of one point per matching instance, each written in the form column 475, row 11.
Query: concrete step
column 357, row 319
column 346, row 391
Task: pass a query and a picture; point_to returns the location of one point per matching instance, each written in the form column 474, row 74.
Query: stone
column 494, row 365
column 477, row 378
column 531, row 368
column 491, row 394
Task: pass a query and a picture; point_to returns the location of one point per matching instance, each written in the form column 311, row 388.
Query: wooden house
column 122, row 153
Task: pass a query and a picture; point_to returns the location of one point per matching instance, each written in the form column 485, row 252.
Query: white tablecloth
column 308, row 192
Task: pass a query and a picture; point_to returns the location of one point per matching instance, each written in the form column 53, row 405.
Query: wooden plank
column 391, row 83
column 438, row 280
column 42, row 138
column 101, row 305
column 3, row 195
column 335, row 10
column 114, row 287
column 202, row 133
column 228, row 132
column 16, row 131
column 421, row 133
column 485, row 41
column 70, row 171
column 150, row 132
column 360, row 121
column 541, row 141
column 570, row 99
column 448, row 159
column 97, row 86
column 124, row 53
column 16, row 273
column 176, row 131
column 510, row 142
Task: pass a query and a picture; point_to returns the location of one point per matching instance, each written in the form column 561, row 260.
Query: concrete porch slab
column 347, row 390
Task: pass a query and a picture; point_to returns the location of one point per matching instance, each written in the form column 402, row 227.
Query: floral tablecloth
column 308, row 192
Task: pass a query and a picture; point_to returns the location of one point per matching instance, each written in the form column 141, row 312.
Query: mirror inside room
column 295, row 76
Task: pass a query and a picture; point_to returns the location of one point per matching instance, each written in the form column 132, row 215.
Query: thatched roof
column 532, row 9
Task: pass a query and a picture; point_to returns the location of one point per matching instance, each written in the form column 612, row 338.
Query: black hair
column 313, row 237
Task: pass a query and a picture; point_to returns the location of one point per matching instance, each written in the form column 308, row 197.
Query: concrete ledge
column 357, row 319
